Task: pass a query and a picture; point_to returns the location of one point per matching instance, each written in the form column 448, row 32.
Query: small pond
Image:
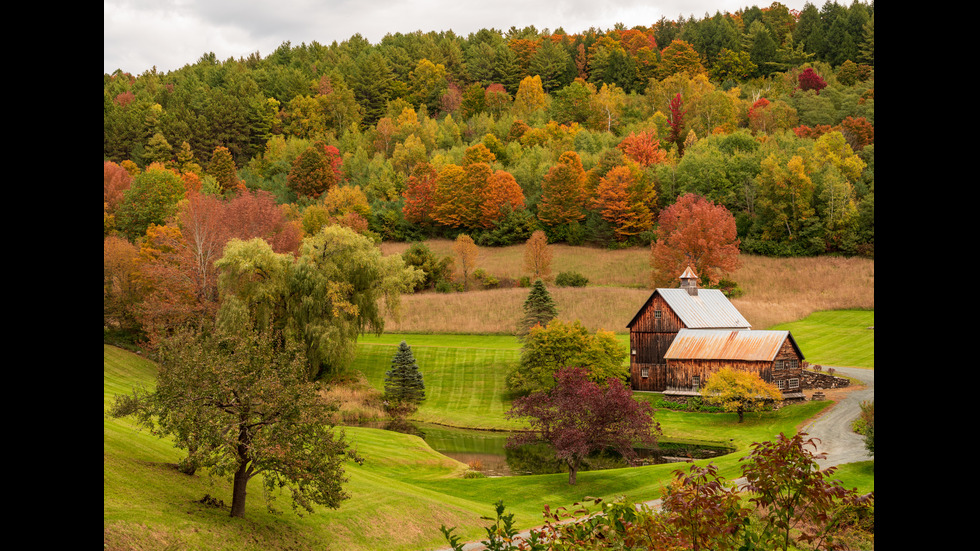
column 485, row 451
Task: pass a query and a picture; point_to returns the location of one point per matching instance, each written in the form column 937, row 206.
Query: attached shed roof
column 710, row 309
column 701, row 344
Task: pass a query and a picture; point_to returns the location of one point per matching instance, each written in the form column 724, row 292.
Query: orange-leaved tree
column 563, row 192
column 698, row 233
column 315, row 170
column 537, row 256
column 501, row 195
column 626, row 199
column 420, row 195
column 643, row 148
column 466, row 254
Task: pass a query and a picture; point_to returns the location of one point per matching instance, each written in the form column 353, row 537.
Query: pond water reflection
column 486, row 450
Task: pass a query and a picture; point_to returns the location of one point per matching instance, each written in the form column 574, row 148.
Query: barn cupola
column 689, row 281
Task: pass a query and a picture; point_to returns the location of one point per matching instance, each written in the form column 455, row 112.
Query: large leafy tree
column 244, row 407
column 578, row 416
column 559, row 344
column 338, row 287
column 698, row 233
column 315, row 170
column 563, row 192
column 626, row 199
column 152, row 198
column 739, row 391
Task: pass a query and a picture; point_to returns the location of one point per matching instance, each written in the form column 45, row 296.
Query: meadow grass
column 777, row 290
column 839, row 338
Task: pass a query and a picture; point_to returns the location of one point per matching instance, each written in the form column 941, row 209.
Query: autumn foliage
column 537, row 256
column 563, row 191
column 698, row 233
column 626, row 200
column 316, row 170
column 579, row 416
column 642, row 148
column 810, row 80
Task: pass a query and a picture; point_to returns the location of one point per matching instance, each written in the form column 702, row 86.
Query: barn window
column 778, row 364
column 794, row 364
column 781, row 385
column 794, row 383
column 657, row 314
column 696, row 382
column 645, row 372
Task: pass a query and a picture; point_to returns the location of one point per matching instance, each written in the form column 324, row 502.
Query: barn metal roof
column 710, row 309
column 706, row 344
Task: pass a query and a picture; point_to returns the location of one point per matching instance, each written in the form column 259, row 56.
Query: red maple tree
column 578, row 416
column 698, row 233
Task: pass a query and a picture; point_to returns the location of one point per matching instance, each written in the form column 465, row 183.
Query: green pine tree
column 403, row 382
column 539, row 309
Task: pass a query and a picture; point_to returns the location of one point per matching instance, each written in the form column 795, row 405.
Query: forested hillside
column 587, row 135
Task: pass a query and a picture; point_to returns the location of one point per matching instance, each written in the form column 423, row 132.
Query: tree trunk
column 573, row 466
column 238, row 491
column 244, row 472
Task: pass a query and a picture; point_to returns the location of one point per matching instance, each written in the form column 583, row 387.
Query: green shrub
column 488, row 280
column 446, row 286
column 730, row 288
column 571, row 279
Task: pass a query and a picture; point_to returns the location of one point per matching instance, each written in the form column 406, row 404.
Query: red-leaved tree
column 698, row 233
column 578, row 417
column 677, row 113
column 810, row 80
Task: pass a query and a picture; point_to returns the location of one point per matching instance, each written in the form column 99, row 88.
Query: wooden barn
column 714, row 335
column 663, row 315
column 696, row 353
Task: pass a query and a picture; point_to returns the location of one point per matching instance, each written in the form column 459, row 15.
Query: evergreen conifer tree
column 403, row 382
column 539, row 309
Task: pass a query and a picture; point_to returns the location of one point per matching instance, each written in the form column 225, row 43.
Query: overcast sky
column 168, row 34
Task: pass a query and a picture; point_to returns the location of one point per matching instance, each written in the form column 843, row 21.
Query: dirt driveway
column 833, row 427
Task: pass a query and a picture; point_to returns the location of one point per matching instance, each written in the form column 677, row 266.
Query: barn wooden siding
column 681, row 373
column 649, row 340
column 651, row 337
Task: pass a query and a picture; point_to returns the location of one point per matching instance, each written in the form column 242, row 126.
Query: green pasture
column 404, row 490
column 843, row 338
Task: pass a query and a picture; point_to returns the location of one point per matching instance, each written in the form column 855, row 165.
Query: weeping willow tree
column 337, row 288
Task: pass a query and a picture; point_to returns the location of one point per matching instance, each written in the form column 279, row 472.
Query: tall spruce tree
column 539, row 309
column 403, row 382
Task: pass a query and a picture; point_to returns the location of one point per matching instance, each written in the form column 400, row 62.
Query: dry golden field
column 777, row 290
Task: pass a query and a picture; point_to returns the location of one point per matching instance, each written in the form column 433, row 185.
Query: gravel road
column 833, row 428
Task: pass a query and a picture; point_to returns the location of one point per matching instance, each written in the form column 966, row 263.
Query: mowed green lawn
column 842, row 338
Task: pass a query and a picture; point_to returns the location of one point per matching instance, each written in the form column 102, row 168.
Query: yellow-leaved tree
column 739, row 391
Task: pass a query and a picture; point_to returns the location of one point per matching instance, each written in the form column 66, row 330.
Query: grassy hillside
column 839, row 338
column 402, row 493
